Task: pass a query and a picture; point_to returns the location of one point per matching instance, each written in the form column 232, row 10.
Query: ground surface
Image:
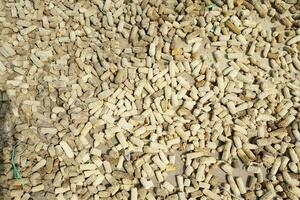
column 102, row 99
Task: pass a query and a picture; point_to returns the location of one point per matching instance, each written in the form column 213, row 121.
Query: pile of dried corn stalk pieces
column 150, row 99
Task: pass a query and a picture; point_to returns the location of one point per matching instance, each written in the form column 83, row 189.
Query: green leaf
column 16, row 172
